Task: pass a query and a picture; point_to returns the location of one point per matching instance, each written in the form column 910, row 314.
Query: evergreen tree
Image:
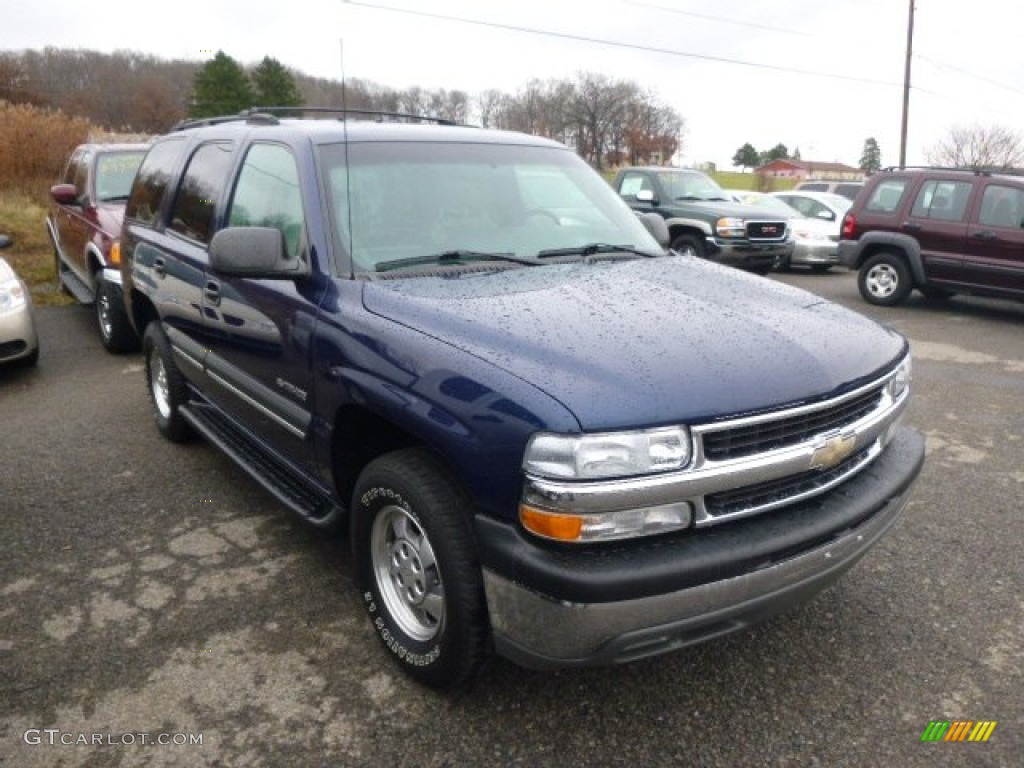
column 746, row 157
column 220, row 88
column 870, row 156
column 796, row 154
column 274, row 85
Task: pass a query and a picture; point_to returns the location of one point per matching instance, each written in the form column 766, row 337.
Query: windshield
column 770, row 203
column 115, row 172
column 411, row 200
column 690, row 185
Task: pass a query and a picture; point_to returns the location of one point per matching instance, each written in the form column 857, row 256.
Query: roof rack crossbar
column 380, row 114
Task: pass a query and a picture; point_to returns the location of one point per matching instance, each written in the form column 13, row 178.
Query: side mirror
column 64, row 194
column 826, row 215
column 5, row 241
column 254, row 252
column 656, row 226
column 645, row 196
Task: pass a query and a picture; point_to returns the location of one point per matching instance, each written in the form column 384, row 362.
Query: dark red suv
column 937, row 230
column 84, row 224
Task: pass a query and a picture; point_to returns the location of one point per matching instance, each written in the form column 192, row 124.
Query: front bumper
column 747, row 254
column 555, row 608
column 814, row 252
column 18, row 333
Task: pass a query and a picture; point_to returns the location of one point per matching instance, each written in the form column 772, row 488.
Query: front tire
column 116, row 332
column 688, row 245
column 417, row 568
column 166, row 386
column 884, row 279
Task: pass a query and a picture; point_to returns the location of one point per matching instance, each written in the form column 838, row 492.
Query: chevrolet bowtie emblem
column 833, row 451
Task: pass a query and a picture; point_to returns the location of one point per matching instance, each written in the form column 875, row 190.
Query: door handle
column 985, row 235
column 160, row 266
column 911, row 227
column 212, row 292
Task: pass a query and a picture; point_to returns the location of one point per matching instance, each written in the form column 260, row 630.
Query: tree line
column 607, row 121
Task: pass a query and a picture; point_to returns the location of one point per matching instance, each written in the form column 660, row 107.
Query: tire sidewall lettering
column 371, row 501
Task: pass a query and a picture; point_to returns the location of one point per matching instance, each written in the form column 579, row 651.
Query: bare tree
column 978, row 146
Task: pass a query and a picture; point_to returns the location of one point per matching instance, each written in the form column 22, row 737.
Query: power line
column 722, row 19
column 620, row 44
column 976, row 76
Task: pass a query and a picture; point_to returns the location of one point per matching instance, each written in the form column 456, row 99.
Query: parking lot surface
column 153, row 596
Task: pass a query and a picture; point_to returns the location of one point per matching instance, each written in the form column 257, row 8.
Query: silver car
column 18, row 340
column 815, row 243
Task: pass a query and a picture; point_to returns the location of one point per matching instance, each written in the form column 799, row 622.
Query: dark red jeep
column 84, row 224
column 937, row 230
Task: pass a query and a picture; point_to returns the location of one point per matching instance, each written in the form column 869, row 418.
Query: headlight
column 12, row 296
column 730, row 227
column 900, row 380
column 609, row 454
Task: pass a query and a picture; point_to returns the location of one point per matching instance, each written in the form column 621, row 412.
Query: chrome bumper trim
column 868, row 434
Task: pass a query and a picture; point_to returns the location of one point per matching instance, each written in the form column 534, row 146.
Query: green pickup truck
column 703, row 221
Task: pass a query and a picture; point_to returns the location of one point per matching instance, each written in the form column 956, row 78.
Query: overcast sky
column 967, row 66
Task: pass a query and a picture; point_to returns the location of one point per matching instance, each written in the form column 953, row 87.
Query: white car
column 815, row 241
column 18, row 341
column 824, row 206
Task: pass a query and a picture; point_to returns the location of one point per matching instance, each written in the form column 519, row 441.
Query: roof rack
column 268, row 116
column 977, row 170
column 381, row 115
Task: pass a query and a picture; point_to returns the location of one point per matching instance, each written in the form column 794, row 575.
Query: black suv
column 940, row 231
column 704, row 221
column 545, row 435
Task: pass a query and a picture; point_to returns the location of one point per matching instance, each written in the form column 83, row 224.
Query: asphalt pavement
column 154, row 597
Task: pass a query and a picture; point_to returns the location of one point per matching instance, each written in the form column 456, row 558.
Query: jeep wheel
column 884, row 279
column 417, row 570
column 116, row 332
column 166, row 386
column 688, row 245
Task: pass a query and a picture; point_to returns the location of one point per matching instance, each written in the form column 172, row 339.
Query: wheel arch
column 904, row 245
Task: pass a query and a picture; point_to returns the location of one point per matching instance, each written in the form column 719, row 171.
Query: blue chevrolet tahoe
column 544, row 435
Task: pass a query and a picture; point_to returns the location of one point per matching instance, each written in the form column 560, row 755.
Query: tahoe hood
column 646, row 342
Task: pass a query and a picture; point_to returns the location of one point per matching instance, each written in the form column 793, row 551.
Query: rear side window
column 267, row 194
column 151, row 182
column 943, row 200
column 848, row 190
column 1002, row 207
column 196, row 202
column 634, row 182
column 886, row 197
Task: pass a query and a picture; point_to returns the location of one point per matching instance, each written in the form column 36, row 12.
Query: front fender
column 678, row 221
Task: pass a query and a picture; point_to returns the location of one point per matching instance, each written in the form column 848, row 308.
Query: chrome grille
column 753, row 438
column 766, row 230
column 782, row 491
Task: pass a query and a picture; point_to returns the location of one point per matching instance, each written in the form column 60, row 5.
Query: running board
column 76, row 286
column 310, row 502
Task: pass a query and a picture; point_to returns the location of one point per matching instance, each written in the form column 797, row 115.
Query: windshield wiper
column 453, row 257
column 114, row 199
column 595, row 248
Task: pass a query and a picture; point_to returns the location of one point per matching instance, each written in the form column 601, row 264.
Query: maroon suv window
column 886, row 197
column 943, row 200
column 1002, row 207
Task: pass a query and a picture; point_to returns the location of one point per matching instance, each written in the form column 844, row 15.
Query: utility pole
column 906, row 87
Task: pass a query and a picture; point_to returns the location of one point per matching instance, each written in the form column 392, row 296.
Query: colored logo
column 958, row 730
